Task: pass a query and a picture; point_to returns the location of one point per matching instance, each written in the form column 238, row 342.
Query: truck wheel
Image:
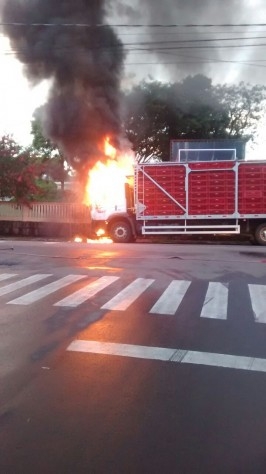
column 120, row 232
column 260, row 234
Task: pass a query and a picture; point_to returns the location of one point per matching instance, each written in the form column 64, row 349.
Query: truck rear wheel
column 260, row 234
column 120, row 232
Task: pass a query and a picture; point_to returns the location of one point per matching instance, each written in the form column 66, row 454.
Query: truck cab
column 115, row 217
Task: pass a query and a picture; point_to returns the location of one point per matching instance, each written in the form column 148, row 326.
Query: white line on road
column 6, row 276
column 126, row 350
column 171, row 298
column 87, row 292
column 20, row 284
column 128, row 295
column 46, row 290
column 258, row 302
column 170, row 355
column 215, row 303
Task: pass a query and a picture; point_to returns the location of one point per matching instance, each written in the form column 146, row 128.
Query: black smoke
column 83, row 63
column 172, row 53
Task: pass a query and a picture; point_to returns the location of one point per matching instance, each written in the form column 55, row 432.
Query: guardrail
column 67, row 213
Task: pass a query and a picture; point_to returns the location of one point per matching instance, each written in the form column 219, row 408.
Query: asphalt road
column 137, row 358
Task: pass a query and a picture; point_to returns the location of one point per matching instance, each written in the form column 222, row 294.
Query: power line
column 173, row 33
column 198, row 47
column 188, row 60
column 205, row 40
column 207, row 61
column 159, row 25
column 157, row 46
column 137, row 51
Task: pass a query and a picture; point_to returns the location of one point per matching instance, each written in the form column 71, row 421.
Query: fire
column 100, row 232
column 106, row 184
column 105, row 190
column 106, row 180
column 102, row 240
column 109, row 150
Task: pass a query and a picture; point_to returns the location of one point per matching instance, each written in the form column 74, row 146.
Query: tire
column 120, row 232
column 260, row 234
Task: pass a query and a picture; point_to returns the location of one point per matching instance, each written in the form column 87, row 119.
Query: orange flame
column 106, row 181
column 102, row 240
column 109, row 150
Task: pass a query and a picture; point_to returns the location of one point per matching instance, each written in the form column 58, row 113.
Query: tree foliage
column 52, row 159
column 157, row 112
column 19, row 171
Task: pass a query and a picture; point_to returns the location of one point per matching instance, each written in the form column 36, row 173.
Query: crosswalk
column 215, row 303
column 165, row 301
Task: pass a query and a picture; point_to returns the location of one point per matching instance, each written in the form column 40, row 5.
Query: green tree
column 19, row 171
column 244, row 104
column 47, row 190
column 146, row 119
column 49, row 154
column 197, row 110
column 194, row 108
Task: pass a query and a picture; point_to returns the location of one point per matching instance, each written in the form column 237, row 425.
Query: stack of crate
column 252, row 188
column 160, row 203
column 211, row 188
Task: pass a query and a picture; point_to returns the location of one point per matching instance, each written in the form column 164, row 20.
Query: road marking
column 123, row 350
column 170, row 300
column 181, row 356
column 20, row 284
column 87, row 292
column 214, row 307
column 216, row 300
column 6, row 276
column 258, row 302
column 46, row 290
column 126, row 297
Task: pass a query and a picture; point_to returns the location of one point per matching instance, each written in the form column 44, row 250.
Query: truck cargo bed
column 200, row 190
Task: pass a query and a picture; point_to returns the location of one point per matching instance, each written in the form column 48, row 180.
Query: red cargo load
column 211, row 188
column 252, row 188
column 159, row 188
column 200, row 190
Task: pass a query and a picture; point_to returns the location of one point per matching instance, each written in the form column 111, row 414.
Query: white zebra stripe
column 216, row 300
column 6, row 276
column 128, row 295
column 179, row 356
column 87, row 292
column 46, row 290
column 214, row 307
column 20, row 284
column 258, row 302
column 170, row 300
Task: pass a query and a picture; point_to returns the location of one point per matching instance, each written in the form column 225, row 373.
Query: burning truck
column 202, row 189
column 207, row 188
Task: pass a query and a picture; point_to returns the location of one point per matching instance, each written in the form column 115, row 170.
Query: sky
column 18, row 98
column 231, row 54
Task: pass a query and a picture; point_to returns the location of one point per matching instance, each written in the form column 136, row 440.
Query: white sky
column 18, row 99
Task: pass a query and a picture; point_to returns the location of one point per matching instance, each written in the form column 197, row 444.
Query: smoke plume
column 170, row 53
column 83, row 63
